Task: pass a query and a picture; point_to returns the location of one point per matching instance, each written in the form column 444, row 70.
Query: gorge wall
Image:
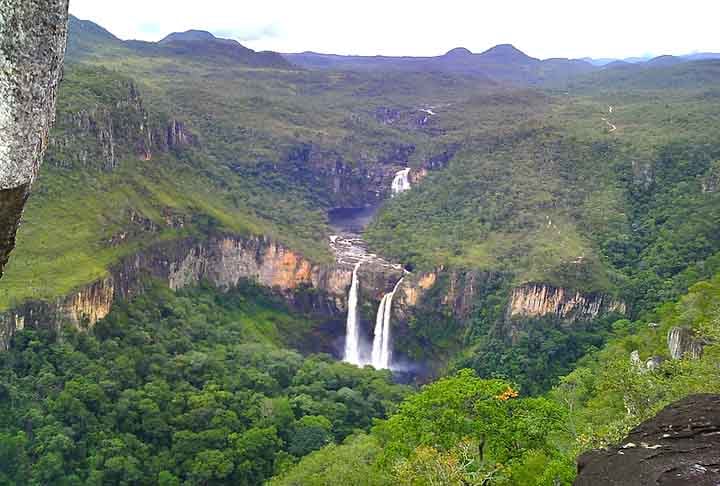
column 223, row 261
column 462, row 288
column 538, row 300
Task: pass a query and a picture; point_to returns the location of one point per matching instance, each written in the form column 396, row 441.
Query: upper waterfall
column 401, row 182
column 382, row 342
column 352, row 336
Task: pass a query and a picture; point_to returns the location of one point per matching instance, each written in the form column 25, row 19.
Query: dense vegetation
column 196, row 388
column 554, row 196
column 187, row 388
column 463, row 430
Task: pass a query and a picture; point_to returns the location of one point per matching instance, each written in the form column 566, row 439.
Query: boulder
column 680, row 446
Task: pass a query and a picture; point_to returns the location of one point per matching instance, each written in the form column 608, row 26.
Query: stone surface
column 680, row 446
column 537, row 300
column 33, row 35
column 101, row 134
column 682, row 343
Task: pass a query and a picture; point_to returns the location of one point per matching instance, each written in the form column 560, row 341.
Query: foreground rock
column 680, row 446
column 33, row 34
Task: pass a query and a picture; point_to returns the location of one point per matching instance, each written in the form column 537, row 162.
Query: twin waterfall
column 356, row 348
column 381, row 355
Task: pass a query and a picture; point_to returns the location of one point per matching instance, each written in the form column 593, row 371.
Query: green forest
column 197, row 387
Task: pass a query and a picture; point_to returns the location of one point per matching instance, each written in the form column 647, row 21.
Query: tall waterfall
column 352, row 335
column 401, row 182
column 382, row 343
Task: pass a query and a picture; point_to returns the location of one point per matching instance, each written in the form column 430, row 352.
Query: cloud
column 151, row 28
column 249, row 34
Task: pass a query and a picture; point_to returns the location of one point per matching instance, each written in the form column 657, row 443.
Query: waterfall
column 401, row 182
column 382, row 343
column 352, row 336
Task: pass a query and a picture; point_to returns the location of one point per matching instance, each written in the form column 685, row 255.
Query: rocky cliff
column 33, row 35
column 538, row 300
column 223, row 261
column 112, row 126
column 366, row 180
column 461, row 289
column 682, row 343
column 680, row 446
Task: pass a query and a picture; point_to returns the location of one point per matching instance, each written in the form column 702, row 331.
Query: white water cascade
column 382, row 342
column 401, row 182
column 352, row 334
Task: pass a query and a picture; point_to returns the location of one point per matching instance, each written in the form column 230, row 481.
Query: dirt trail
column 609, row 124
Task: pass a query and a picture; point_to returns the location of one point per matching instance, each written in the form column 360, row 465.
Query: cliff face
column 682, row 343
column 33, row 35
column 461, row 289
column 101, row 134
column 455, row 292
column 222, row 261
column 365, row 180
column 538, row 300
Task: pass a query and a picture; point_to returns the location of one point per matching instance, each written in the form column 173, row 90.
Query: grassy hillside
column 85, row 198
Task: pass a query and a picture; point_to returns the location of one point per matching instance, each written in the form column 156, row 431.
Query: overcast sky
column 541, row 28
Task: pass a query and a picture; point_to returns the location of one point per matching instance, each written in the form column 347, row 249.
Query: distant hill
column 503, row 62
column 190, row 35
column 665, row 61
column 89, row 39
column 86, row 36
column 702, row 56
column 664, row 72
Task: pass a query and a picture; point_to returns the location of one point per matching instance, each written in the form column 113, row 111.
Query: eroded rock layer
column 223, row 261
column 538, row 300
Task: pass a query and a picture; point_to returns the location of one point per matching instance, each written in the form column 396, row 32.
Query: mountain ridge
column 90, row 39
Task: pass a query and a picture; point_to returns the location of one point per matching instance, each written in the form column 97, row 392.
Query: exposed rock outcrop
column 538, row 300
column 33, row 35
column 223, row 261
column 680, row 446
column 682, row 343
column 643, row 173
column 452, row 292
column 366, row 180
column 102, row 134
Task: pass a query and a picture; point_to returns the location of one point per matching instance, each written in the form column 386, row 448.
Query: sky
column 541, row 28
